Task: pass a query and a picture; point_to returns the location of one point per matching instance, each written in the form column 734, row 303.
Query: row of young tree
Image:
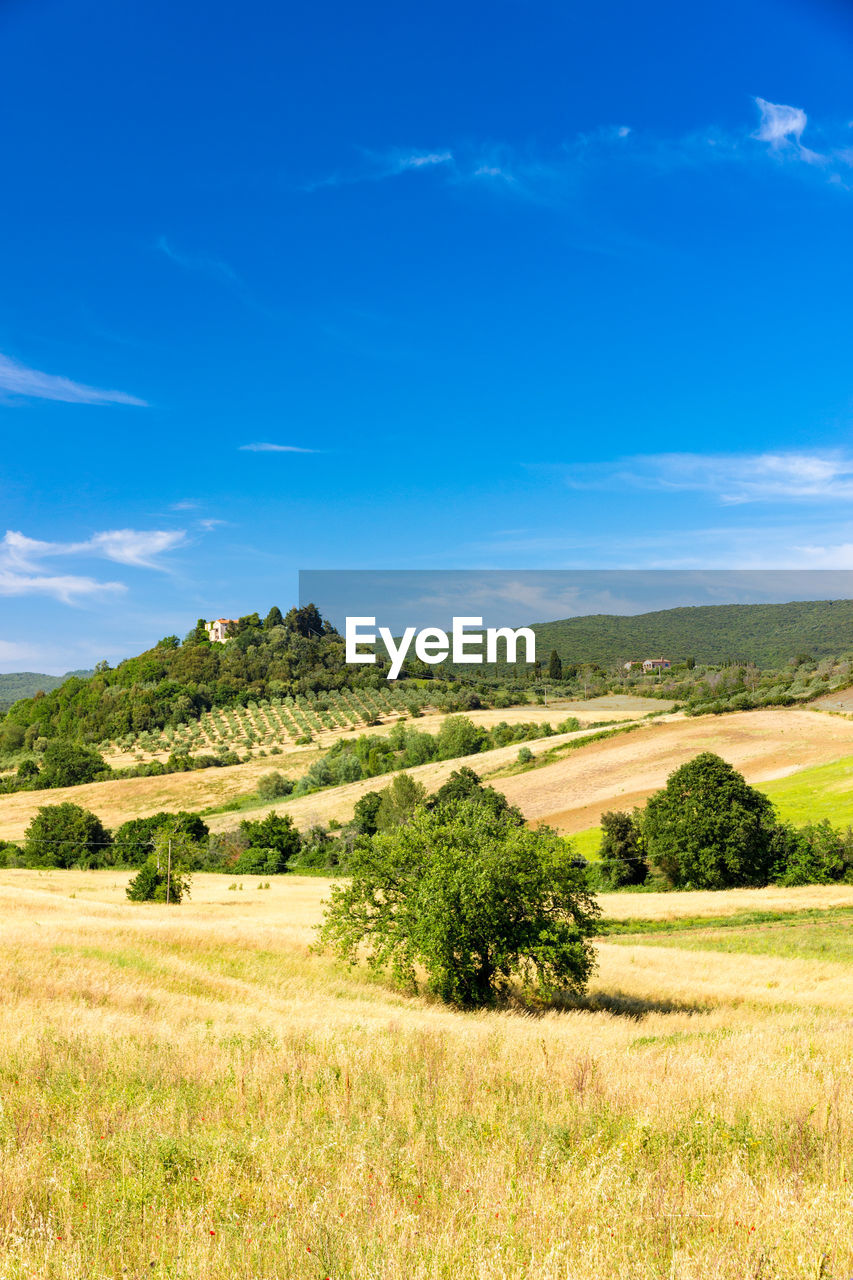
column 370, row 755
column 708, row 829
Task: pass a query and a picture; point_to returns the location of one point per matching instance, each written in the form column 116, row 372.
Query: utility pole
column 169, row 872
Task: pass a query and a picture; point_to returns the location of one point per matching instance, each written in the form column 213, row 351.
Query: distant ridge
column 767, row 634
column 23, row 684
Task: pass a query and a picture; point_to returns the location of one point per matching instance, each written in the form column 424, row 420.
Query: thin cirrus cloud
column 379, row 165
column 23, row 573
column 267, row 447
column 549, row 174
column 18, row 379
column 730, row 478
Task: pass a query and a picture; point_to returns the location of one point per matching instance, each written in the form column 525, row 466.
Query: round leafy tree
column 473, row 898
column 465, row 784
column 65, row 835
column 67, row 764
column 708, row 829
column 271, row 843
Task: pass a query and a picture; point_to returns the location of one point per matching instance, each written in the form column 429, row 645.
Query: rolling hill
column 768, row 635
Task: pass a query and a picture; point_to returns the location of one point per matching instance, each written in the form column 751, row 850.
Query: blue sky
column 490, row 285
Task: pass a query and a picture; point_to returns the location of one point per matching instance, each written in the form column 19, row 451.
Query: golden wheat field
column 191, row 1092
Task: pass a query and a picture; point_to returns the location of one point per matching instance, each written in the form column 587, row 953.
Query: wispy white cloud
column 197, row 262
column 811, row 542
column 730, row 478
column 420, row 160
column 377, row 166
column 19, row 380
column 782, row 128
column 23, row 573
column 274, row 448
column 139, row 547
column 549, row 175
column 779, row 124
column 67, row 588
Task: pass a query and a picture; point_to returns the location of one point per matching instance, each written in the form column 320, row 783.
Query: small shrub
column 273, row 785
column 151, row 885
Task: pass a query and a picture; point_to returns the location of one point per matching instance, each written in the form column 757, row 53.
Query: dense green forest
column 765, row 635
column 23, row 684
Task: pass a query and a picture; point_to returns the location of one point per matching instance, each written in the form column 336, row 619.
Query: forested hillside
column 23, row 684
column 767, row 635
column 175, row 682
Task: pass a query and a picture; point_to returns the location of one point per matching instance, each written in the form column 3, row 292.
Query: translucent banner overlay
column 401, row 598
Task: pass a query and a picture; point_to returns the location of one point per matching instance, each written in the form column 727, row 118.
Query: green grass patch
column 587, row 843
column 823, row 791
column 812, row 934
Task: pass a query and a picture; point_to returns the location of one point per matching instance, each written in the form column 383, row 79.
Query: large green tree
column 134, row 839
column 708, row 829
column 474, row 899
column 465, row 784
column 66, row 835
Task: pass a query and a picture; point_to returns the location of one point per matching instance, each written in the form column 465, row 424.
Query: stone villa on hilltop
column 218, row 631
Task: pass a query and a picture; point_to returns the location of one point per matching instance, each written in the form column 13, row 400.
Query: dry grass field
column 116, row 801
column 191, row 1093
